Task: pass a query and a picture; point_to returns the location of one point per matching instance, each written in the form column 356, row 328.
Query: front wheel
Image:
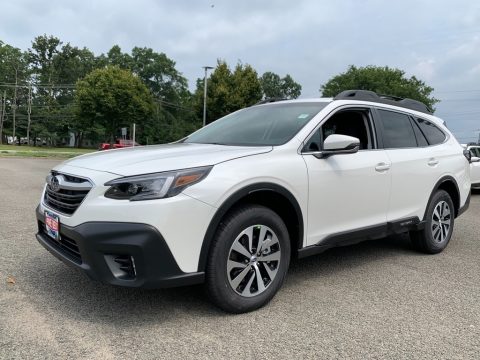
column 439, row 223
column 248, row 260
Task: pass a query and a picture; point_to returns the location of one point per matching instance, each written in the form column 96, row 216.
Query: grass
column 41, row 151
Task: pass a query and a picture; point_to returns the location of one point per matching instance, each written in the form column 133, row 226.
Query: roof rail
column 270, row 100
column 366, row 95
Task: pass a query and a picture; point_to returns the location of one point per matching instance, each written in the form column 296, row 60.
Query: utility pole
column 29, row 111
column 2, row 115
column 133, row 135
column 205, row 95
column 14, row 107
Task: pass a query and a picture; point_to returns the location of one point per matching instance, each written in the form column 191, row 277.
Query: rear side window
column 433, row 134
column 397, row 130
column 421, row 140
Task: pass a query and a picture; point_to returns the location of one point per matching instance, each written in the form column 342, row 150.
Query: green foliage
column 53, row 63
column 13, row 70
column 113, row 98
column 228, row 91
column 73, row 91
column 275, row 87
column 173, row 119
column 382, row 80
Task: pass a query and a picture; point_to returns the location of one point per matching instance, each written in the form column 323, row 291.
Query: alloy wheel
column 253, row 260
column 441, row 221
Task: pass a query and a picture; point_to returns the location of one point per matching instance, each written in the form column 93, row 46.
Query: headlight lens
column 155, row 186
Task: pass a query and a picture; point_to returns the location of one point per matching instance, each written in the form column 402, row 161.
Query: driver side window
column 354, row 123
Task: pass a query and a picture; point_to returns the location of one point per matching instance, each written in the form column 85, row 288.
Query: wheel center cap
column 253, row 259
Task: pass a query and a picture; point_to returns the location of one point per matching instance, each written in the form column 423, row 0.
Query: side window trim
column 371, row 121
column 414, row 125
column 415, row 118
column 378, row 128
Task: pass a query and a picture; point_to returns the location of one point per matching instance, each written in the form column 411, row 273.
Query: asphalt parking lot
column 376, row 300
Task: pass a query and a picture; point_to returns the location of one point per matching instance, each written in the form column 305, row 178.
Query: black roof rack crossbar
column 366, row 95
column 270, row 100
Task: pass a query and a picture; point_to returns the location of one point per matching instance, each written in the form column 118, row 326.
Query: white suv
column 232, row 203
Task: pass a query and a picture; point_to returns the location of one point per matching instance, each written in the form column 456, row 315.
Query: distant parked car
column 119, row 144
column 475, row 165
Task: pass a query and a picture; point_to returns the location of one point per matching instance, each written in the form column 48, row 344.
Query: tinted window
column 421, row 140
column 475, row 152
column 348, row 122
column 397, row 130
column 272, row 124
column 433, row 134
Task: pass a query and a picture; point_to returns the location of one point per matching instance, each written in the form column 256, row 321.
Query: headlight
column 155, row 186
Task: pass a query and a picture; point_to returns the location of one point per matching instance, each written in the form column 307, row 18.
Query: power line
column 457, row 91
column 473, row 99
column 172, row 105
column 12, row 86
column 465, row 113
column 36, row 84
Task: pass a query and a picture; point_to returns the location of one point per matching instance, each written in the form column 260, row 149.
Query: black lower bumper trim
column 155, row 265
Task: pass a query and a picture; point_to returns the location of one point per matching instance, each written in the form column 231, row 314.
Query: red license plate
column 52, row 225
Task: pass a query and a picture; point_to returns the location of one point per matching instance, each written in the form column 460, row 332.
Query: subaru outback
column 231, row 204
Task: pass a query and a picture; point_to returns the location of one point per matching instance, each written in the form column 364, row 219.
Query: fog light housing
column 122, row 266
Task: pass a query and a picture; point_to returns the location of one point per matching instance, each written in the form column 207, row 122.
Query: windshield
column 272, row 124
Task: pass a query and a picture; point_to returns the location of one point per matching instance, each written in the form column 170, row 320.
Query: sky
column 312, row 40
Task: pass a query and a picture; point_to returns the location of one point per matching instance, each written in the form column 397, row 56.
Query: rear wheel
column 248, row 260
column 439, row 223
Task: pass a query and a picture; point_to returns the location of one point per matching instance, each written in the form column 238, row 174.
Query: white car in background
column 475, row 165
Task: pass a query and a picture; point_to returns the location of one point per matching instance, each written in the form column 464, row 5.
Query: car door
column 416, row 164
column 347, row 192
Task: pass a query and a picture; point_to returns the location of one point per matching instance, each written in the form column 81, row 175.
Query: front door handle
column 432, row 162
column 381, row 167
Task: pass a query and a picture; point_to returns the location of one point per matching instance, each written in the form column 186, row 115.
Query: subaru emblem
column 54, row 184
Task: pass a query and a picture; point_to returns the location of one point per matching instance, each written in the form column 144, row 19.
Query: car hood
column 157, row 158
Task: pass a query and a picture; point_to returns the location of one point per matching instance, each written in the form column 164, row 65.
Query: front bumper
column 92, row 246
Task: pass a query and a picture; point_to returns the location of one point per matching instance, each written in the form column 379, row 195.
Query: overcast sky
column 437, row 41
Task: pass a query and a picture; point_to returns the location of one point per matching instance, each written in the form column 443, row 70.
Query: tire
column 236, row 271
column 439, row 223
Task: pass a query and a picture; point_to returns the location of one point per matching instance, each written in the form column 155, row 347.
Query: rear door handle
column 382, row 167
column 432, row 162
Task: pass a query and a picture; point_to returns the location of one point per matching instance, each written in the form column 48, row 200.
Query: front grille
column 65, row 193
column 67, row 246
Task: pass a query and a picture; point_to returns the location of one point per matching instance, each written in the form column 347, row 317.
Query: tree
column 382, row 80
column 228, row 91
column 158, row 72
column 41, row 58
column 275, row 87
column 246, row 90
column 70, row 64
column 113, row 98
column 116, row 57
column 13, row 73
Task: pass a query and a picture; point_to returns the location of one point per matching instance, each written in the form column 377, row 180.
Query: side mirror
column 468, row 155
column 474, row 159
column 339, row 144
